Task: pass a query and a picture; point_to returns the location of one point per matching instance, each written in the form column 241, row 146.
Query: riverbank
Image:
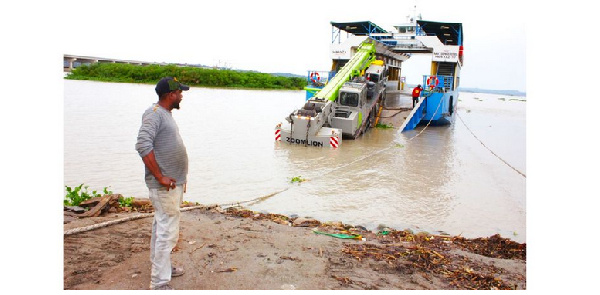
column 237, row 249
column 192, row 76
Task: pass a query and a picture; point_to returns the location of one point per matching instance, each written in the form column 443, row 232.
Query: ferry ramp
column 396, row 107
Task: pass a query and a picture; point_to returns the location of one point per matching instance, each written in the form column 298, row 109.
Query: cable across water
column 483, row 144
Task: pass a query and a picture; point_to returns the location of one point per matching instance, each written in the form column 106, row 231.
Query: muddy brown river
column 467, row 178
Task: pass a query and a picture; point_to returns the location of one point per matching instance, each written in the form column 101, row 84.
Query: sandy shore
column 237, row 249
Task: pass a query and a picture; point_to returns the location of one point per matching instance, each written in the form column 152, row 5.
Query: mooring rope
column 116, row 221
column 105, row 224
column 256, row 200
column 144, row 215
column 483, row 144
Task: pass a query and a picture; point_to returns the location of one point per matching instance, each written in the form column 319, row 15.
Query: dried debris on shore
column 408, row 252
column 453, row 259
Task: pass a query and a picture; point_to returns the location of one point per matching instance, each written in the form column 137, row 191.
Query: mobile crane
column 344, row 108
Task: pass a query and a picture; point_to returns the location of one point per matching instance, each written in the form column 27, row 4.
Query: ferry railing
column 437, row 83
column 316, row 80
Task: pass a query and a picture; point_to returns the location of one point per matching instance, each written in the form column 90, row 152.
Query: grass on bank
column 127, row 73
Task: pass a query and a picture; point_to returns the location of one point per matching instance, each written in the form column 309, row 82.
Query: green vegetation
column 127, row 73
column 125, row 202
column 80, row 193
column 298, row 179
column 384, row 126
column 187, row 203
column 76, row 195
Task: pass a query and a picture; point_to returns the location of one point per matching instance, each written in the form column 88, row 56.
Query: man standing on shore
column 415, row 94
column 166, row 165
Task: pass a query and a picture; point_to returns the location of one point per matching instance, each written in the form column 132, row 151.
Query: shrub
column 115, row 72
column 80, row 193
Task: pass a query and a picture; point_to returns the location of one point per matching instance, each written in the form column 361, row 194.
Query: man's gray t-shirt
column 159, row 132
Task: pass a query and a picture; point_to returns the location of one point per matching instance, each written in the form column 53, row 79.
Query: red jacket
column 416, row 91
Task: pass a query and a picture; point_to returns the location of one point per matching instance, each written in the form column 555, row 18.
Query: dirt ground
column 237, row 249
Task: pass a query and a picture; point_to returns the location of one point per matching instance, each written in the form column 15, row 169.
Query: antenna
column 414, row 17
column 414, row 11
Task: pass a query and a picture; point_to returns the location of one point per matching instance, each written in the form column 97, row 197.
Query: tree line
column 128, row 73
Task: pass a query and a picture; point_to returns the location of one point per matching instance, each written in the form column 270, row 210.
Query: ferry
column 444, row 42
column 364, row 58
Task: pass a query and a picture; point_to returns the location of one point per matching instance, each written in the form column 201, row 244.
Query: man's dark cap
column 168, row 84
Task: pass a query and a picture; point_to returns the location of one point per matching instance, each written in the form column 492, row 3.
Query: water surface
column 443, row 180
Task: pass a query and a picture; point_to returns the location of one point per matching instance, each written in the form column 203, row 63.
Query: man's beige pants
column 165, row 232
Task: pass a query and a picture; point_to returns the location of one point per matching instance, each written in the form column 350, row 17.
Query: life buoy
column 432, row 81
column 314, row 77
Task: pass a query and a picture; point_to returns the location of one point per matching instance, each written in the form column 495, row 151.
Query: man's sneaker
column 163, row 287
column 177, row 271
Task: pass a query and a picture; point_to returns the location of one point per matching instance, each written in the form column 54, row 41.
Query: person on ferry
column 415, row 94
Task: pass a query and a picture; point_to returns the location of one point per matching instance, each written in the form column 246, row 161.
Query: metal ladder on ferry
column 446, row 69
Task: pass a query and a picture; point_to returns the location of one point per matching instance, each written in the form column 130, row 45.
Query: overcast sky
column 560, row 45
column 288, row 36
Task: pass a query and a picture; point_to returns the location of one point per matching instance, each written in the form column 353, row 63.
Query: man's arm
column 144, row 146
column 150, row 162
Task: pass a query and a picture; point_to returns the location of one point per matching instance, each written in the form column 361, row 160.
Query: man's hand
column 167, row 182
column 150, row 162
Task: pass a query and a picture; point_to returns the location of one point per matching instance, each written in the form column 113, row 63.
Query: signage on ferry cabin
column 340, row 51
column 446, row 54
